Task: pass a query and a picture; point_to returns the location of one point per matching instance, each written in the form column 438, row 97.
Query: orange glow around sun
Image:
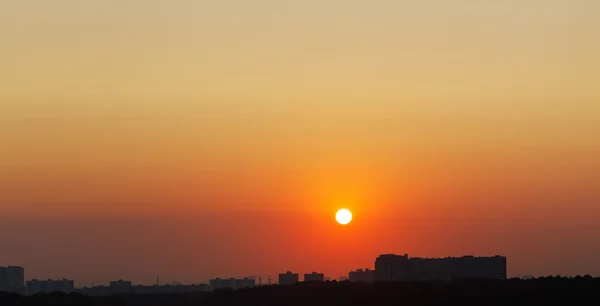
column 343, row 216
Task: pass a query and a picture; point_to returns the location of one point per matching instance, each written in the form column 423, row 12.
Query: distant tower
column 157, row 280
column 260, row 281
column 269, row 280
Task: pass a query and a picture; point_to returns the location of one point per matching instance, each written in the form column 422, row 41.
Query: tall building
column 49, row 286
column 12, row 279
column 3, row 279
column 231, row 283
column 314, row 277
column 391, row 267
column 360, row 275
column 288, row 278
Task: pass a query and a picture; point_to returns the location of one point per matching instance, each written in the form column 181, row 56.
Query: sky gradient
column 197, row 139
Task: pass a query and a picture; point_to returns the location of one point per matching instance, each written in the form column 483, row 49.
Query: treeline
column 541, row 291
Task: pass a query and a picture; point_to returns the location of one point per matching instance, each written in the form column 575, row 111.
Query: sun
column 343, row 216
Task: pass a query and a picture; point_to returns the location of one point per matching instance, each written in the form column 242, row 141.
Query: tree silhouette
column 580, row 290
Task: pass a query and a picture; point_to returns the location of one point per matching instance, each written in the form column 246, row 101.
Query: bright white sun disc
column 343, row 216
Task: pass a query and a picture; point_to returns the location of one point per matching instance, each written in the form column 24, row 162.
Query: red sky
column 196, row 139
column 195, row 247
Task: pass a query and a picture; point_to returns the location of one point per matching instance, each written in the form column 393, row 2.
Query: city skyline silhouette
column 388, row 268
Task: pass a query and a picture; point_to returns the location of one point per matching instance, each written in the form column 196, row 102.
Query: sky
column 199, row 139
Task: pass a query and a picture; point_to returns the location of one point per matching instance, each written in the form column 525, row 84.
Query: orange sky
column 448, row 127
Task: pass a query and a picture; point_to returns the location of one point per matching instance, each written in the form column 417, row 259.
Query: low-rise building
column 288, row 278
column 231, row 283
column 120, row 287
column 169, row 289
column 314, row 277
column 35, row 286
column 141, row 289
column 360, row 275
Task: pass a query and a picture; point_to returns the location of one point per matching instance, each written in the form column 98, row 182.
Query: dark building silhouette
column 12, row 279
column 391, row 267
column 120, row 286
column 314, row 277
column 140, row 289
column 360, row 275
column 288, row 278
column 231, row 283
column 35, row 286
column 94, row 291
